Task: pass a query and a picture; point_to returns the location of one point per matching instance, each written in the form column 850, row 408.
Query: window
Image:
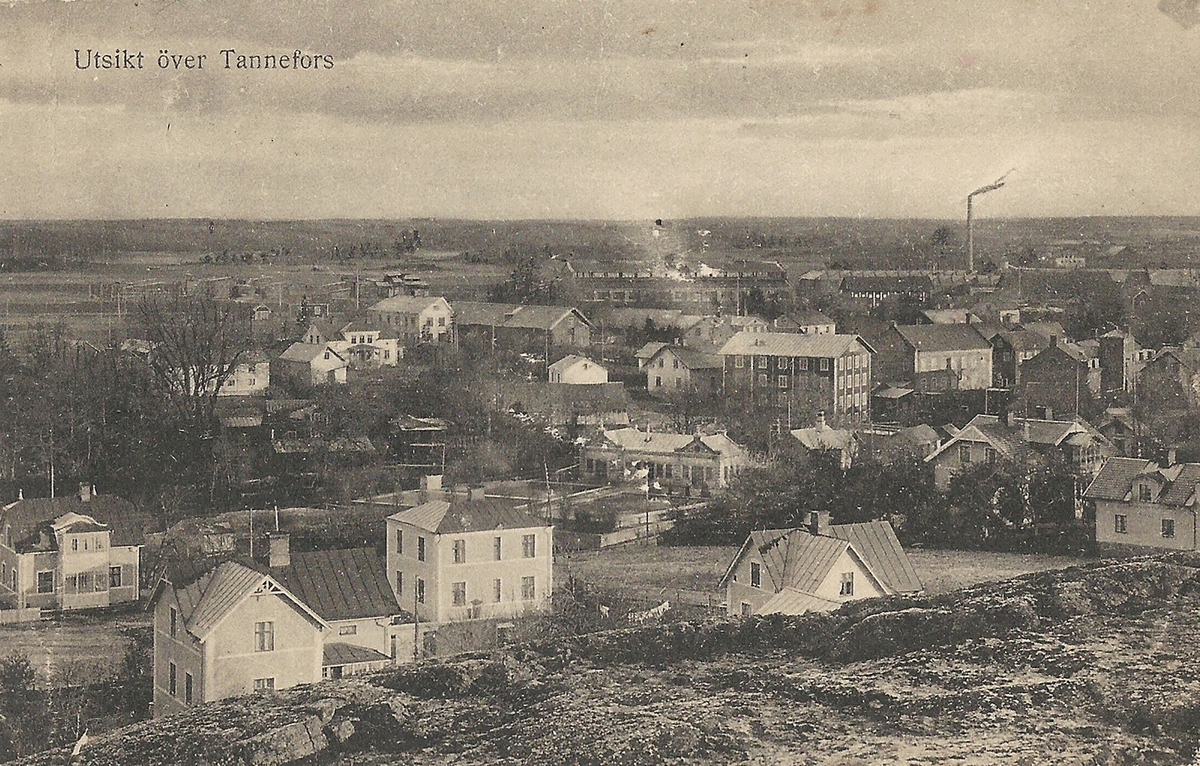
column 762, row 362
column 441, row 321
column 348, row 630
column 74, row 543
column 420, row 549
column 172, row 677
column 803, row 362
column 496, row 546
column 420, row 591
column 1145, row 493
column 529, row 546
column 847, row 584
column 739, row 361
column 496, row 590
column 658, row 381
column 783, row 381
column 825, row 365
column 762, row 379
column 264, row 636
column 1120, row 524
column 528, row 589
column 174, row 622
column 662, row 362
column 264, row 684
column 99, row 583
column 114, row 577
column 1168, row 527
column 326, row 354
column 70, row 584
column 460, row 551
column 460, row 593
column 85, row 582
column 991, row 455
column 676, row 363
column 399, row 584
column 964, row 453
column 400, row 541
column 45, row 582
column 755, row 574
column 187, row 688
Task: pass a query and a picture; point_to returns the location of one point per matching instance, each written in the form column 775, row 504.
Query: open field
column 647, row 572
column 92, row 643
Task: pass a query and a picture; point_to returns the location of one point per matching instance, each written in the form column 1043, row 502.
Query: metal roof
column 468, row 313
column 345, row 584
column 665, row 442
column 791, row 344
column 306, row 352
column 878, row 548
column 127, row 524
column 337, row 654
column 462, row 514
column 793, row 602
column 407, row 304
column 943, row 337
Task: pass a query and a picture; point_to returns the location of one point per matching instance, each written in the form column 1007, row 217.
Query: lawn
column 649, row 572
column 92, row 644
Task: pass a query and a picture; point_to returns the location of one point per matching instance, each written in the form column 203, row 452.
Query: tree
column 25, row 721
column 196, row 344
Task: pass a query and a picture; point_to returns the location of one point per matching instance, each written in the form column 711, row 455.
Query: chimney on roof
column 20, row 493
column 1053, row 340
column 815, row 525
column 1171, row 456
column 1010, row 418
column 279, row 553
column 85, row 492
column 429, row 485
column 474, row 493
column 821, row 420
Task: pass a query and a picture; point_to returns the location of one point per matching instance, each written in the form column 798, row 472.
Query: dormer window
column 1145, row 493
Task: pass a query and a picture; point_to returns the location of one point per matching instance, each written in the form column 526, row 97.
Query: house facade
column 365, row 346
column 77, row 552
column 577, row 370
column 414, row 319
column 988, row 438
column 230, row 629
column 306, row 365
column 1140, row 505
column 462, row 557
column 248, row 378
column 673, row 370
column 913, row 349
column 683, row 463
column 833, row 371
column 523, row 329
column 816, row 568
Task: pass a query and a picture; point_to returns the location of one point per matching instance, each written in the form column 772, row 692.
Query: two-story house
column 1140, row 505
column 522, row 329
column 365, row 346
column 835, row 371
column 76, row 552
column 816, row 568
column 414, row 319
column 350, row 590
column 674, row 462
column 227, row 628
column 463, row 556
column 907, row 350
column 673, row 370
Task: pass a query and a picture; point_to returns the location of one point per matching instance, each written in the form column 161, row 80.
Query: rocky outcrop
column 1090, row 664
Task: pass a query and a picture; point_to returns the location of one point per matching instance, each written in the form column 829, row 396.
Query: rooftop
column 791, row 344
column 458, row 513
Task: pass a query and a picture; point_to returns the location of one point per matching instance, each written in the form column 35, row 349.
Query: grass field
column 91, row 644
column 650, row 572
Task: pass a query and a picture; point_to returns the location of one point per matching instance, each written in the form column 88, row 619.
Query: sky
column 602, row 109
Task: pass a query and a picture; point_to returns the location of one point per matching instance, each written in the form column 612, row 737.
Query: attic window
column 1145, row 494
column 755, row 574
column 847, row 584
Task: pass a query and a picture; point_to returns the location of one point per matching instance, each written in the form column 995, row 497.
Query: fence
column 13, row 616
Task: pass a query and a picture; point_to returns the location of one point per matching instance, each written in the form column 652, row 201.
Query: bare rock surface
column 1098, row 664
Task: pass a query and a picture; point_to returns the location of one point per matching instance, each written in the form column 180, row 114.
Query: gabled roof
column 649, row 350
column 1025, row 340
column 691, row 358
column 809, row 317
column 934, row 338
column 799, row 560
column 1005, row 439
column 127, row 525
column 820, row 438
column 457, row 513
column 570, row 360
column 791, row 344
column 1115, row 480
column 1187, row 357
column 205, row 601
column 1047, row 330
column 665, row 442
column 340, row 584
column 307, row 352
column 407, row 304
column 468, row 313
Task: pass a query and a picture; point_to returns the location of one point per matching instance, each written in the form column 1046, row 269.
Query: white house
column 577, row 370
column 307, row 364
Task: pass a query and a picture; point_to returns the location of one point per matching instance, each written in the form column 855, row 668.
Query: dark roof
column 460, row 514
column 693, row 359
column 128, row 524
column 942, row 337
column 1115, row 479
column 809, row 317
column 863, row 284
column 345, row 584
column 337, row 654
column 1025, row 340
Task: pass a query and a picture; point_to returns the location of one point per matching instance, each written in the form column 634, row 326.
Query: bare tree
column 196, row 345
